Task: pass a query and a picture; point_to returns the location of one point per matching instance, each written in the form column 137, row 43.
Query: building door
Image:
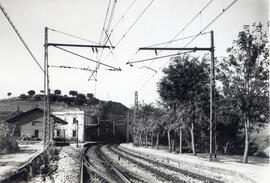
column 36, row 133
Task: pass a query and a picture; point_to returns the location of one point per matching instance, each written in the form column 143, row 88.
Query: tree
column 80, row 99
column 31, row 92
column 81, row 96
column 73, row 93
column 185, row 84
column 90, row 95
column 9, row 94
column 156, row 125
column 23, row 97
column 245, row 79
column 57, row 92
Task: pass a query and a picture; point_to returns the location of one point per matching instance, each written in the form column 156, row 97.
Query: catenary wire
column 20, row 37
column 92, row 60
column 71, row 35
column 203, row 9
column 154, row 58
column 207, row 26
column 132, row 25
column 71, row 67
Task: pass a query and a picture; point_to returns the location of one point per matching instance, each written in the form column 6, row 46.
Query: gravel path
column 68, row 170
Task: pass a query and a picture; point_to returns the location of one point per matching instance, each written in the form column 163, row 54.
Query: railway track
column 164, row 171
column 108, row 163
column 102, row 169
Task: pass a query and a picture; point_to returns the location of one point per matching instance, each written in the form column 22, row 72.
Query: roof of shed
column 15, row 118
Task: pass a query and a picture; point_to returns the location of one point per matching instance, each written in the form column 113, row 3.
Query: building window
column 74, row 134
column 58, row 133
column 74, row 120
column 36, row 123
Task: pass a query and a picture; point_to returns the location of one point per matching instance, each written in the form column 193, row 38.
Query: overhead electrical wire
column 107, row 12
column 132, row 25
column 92, row 60
column 106, row 38
column 197, row 15
column 154, row 58
column 110, row 49
column 20, row 37
column 124, row 14
column 172, row 40
column 102, row 33
column 71, row 67
column 207, row 26
column 105, row 20
column 180, row 39
column 73, row 36
column 189, row 23
column 110, row 18
column 136, row 20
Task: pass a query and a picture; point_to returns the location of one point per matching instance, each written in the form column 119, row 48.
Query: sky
column 84, row 18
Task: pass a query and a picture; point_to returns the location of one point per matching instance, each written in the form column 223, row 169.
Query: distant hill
column 98, row 107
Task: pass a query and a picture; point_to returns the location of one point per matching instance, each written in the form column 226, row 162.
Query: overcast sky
column 85, row 18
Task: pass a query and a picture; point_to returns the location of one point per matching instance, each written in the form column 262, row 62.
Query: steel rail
column 109, row 163
column 113, row 167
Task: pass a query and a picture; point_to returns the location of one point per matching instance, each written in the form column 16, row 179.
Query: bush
column 8, row 145
column 23, row 97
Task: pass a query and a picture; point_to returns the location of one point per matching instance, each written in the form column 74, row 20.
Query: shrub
column 8, row 145
column 23, row 97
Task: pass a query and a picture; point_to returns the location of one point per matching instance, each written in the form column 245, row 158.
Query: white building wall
column 68, row 116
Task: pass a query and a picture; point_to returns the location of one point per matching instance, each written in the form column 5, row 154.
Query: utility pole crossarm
column 178, row 49
column 80, row 45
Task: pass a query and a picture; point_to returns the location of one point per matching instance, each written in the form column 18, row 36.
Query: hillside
column 12, row 105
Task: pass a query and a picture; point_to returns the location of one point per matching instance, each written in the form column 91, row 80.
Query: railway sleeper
column 163, row 164
column 159, row 174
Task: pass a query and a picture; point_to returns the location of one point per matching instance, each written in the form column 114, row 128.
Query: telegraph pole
column 45, row 87
column 211, row 94
column 212, row 81
column 49, row 123
column 213, row 86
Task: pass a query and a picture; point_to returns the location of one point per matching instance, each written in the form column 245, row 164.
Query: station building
column 30, row 123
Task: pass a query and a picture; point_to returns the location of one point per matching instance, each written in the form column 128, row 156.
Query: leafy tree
column 81, row 96
column 23, row 97
column 66, row 99
column 245, row 75
column 52, row 97
column 9, row 94
column 156, row 125
column 185, row 84
column 57, row 92
column 90, row 95
column 73, row 93
column 80, row 99
column 38, row 97
column 31, row 92
column 142, row 125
